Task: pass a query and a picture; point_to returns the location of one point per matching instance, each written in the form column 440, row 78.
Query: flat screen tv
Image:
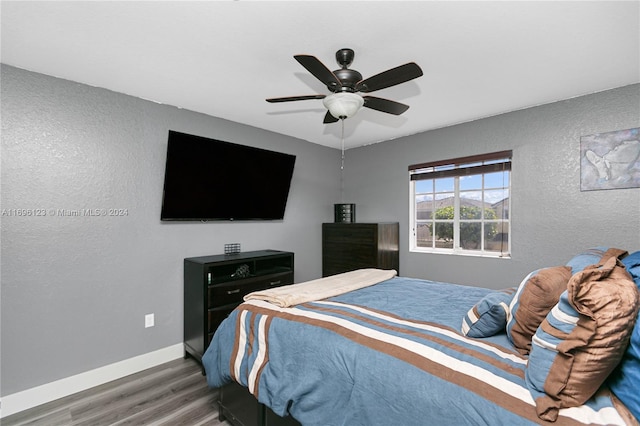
column 207, row 179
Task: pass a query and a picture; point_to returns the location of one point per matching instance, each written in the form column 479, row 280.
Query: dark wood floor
column 174, row 393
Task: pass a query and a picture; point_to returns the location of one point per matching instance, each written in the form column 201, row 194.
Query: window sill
column 471, row 253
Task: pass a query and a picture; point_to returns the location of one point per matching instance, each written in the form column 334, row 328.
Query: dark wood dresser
column 215, row 285
column 350, row 246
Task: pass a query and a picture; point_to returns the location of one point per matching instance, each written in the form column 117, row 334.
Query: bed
column 405, row 351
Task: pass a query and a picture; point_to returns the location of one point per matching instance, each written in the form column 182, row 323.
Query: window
column 462, row 205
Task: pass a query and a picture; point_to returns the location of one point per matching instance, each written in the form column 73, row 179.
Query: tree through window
column 462, row 205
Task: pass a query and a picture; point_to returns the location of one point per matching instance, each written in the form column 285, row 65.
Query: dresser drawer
column 277, row 280
column 217, row 315
column 233, row 292
column 350, row 234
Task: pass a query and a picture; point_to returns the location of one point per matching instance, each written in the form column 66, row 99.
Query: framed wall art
column 610, row 160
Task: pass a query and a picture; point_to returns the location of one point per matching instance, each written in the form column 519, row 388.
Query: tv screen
column 208, row 179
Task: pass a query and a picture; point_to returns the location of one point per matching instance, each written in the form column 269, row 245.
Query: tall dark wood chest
column 350, row 246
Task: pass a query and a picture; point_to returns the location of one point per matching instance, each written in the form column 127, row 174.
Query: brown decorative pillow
column 536, row 295
column 583, row 338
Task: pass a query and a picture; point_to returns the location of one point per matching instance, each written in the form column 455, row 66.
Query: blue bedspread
column 389, row 354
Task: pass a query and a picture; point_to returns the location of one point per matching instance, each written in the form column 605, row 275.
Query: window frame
column 457, row 168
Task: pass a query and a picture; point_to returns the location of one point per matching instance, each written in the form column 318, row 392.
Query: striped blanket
column 387, row 354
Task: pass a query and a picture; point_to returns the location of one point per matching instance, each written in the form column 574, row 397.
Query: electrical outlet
column 149, row 320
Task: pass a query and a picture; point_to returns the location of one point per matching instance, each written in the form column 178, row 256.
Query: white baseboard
column 39, row 395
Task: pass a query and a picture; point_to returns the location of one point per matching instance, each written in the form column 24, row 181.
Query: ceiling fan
column 344, row 85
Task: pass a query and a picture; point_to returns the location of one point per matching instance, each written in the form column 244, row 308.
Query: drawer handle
column 236, row 291
column 275, row 282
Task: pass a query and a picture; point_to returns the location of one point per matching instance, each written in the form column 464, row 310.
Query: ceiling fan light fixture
column 343, row 105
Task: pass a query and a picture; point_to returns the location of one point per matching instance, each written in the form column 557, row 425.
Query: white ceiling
column 223, row 58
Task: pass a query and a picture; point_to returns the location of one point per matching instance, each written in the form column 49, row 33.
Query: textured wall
column 75, row 289
column 552, row 219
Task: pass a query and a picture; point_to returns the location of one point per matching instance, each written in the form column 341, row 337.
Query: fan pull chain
column 342, row 166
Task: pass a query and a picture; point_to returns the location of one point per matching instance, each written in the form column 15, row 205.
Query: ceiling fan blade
column 389, row 78
column 319, row 71
column 384, row 105
column 328, row 118
column 296, row 98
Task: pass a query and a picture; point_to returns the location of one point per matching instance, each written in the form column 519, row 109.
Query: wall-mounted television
column 208, row 179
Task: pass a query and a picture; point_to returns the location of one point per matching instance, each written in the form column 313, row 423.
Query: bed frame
column 237, row 406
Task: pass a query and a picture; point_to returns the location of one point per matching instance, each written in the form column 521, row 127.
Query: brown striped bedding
column 391, row 353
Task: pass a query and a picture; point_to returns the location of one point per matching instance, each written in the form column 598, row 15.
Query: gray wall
column 75, row 289
column 551, row 218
